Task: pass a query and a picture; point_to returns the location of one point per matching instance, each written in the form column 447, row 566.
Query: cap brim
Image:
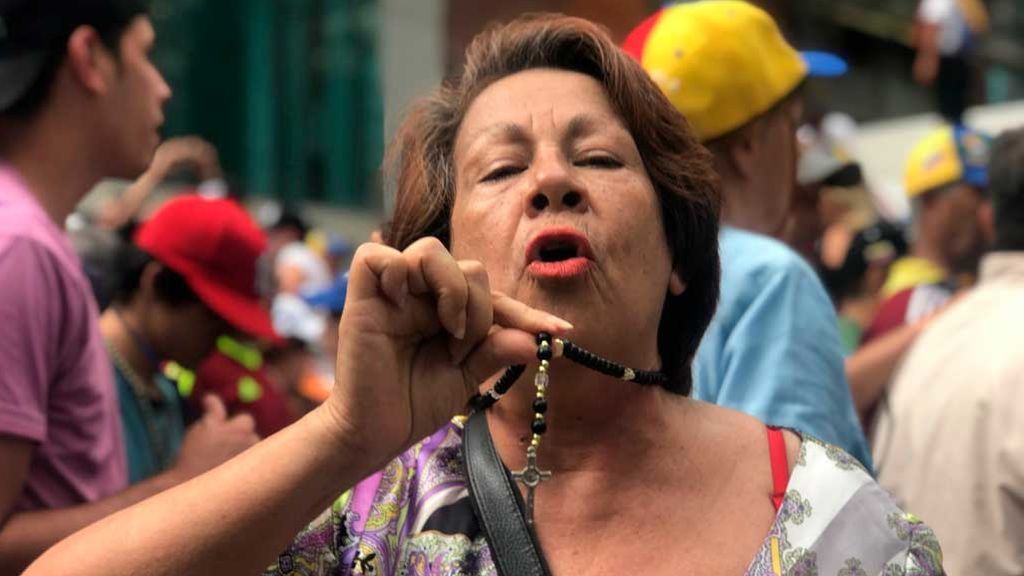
column 17, row 74
column 824, row 64
column 243, row 312
column 976, row 176
column 332, row 298
column 326, row 300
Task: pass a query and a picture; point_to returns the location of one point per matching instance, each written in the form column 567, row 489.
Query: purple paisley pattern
column 387, row 524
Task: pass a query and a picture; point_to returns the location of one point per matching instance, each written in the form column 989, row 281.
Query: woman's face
column 553, row 197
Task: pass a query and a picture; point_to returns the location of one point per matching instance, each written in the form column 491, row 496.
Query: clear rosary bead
column 541, row 380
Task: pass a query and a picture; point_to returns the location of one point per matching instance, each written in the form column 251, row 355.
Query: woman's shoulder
column 747, row 435
column 836, row 517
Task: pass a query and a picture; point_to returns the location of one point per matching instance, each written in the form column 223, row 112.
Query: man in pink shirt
column 79, row 100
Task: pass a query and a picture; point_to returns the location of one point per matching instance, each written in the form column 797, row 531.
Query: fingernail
column 563, row 324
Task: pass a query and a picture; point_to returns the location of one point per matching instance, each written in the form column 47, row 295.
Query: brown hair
column 680, row 169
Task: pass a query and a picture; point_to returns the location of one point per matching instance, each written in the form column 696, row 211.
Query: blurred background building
column 300, row 96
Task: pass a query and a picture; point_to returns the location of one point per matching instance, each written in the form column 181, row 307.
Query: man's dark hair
column 291, row 219
column 170, row 287
column 1006, row 189
column 117, row 17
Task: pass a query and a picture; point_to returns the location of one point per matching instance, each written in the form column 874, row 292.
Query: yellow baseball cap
column 946, row 156
column 722, row 63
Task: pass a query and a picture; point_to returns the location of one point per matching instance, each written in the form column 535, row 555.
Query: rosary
column 547, row 348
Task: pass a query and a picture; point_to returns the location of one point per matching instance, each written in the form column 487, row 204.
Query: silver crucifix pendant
column 531, row 477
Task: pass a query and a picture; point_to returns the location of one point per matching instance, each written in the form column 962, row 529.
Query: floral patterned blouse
column 414, row 518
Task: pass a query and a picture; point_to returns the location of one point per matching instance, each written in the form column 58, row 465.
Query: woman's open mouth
column 558, row 253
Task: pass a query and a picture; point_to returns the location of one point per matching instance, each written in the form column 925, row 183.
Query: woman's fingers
column 465, row 305
column 511, row 313
column 377, row 268
column 424, row 273
column 433, row 271
column 512, row 341
column 502, row 348
column 479, row 311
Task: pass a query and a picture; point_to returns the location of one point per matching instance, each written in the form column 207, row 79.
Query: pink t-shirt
column 56, row 384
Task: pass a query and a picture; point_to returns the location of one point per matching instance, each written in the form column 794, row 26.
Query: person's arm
column 232, row 520
column 870, row 369
column 185, row 151
column 26, row 535
column 927, row 57
column 927, row 31
column 16, row 454
column 420, row 332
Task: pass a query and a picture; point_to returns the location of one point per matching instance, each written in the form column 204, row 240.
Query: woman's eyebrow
column 505, row 132
column 583, row 125
column 502, row 133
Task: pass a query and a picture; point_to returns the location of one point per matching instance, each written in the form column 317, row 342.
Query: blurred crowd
column 167, row 328
column 268, row 354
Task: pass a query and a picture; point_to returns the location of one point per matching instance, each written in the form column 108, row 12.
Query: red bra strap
column 780, row 465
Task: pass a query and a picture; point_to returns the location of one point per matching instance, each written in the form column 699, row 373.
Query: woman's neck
column 594, row 422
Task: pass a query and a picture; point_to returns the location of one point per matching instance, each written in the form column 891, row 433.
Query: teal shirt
column 773, row 349
column 850, row 334
column 151, row 447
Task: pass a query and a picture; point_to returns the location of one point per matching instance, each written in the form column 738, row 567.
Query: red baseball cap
column 216, row 247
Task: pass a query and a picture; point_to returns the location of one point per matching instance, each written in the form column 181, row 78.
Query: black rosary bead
column 571, row 352
column 539, row 425
column 509, row 378
column 540, row 405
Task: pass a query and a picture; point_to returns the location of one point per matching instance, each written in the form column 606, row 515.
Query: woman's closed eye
column 502, row 172
column 599, row 161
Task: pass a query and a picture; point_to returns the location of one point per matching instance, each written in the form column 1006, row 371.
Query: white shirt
column 949, row 445
column 947, row 15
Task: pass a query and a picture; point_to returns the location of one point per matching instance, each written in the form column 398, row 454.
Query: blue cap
column 332, row 298
column 824, row 64
column 974, row 149
column 337, row 246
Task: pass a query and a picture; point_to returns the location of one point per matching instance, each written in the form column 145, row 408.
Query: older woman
column 555, row 174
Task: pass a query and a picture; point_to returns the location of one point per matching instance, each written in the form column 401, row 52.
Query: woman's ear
column 676, row 285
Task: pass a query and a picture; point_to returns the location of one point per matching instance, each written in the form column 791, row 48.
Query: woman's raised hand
column 420, row 332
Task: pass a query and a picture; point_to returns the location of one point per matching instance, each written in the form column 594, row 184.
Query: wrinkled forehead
column 534, row 105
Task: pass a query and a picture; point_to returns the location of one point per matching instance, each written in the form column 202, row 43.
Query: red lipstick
column 558, row 253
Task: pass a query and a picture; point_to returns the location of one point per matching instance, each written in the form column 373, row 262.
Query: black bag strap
column 498, row 505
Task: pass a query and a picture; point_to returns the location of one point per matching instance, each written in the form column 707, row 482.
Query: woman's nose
column 554, row 187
